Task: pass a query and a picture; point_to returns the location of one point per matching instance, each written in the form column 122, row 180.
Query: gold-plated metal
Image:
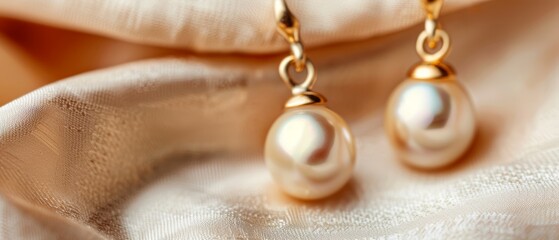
column 297, row 88
column 433, row 34
column 299, row 57
column 438, row 55
column 305, row 98
column 432, row 8
column 431, row 27
column 288, row 26
column 428, row 71
column 287, row 23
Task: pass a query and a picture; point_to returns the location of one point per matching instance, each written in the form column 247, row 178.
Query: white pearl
column 310, row 152
column 430, row 123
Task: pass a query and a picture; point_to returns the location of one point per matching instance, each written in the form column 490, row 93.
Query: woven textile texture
column 153, row 120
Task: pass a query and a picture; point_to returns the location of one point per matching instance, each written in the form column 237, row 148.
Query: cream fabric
column 220, row 25
column 170, row 146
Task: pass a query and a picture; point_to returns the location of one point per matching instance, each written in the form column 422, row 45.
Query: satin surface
column 156, row 129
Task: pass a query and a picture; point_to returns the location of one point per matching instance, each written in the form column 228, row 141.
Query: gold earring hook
column 432, row 8
column 287, row 24
column 432, row 34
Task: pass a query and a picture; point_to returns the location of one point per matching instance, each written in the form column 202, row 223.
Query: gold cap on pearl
column 305, row 98
column 429, row 71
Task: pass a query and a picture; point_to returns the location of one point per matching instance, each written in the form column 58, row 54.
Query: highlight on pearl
column 310, row 152
column 430, row 123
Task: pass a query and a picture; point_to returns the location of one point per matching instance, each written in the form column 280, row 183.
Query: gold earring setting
column 309, row 149
column 430, row 119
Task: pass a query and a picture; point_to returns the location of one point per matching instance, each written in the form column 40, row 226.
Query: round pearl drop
column 310, row 152
column 430, row 123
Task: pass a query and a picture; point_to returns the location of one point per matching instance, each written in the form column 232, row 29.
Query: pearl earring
column 430, row 119
column 309, row 149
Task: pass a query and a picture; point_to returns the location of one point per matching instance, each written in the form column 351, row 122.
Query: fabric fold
column 171, row 147
column 222, row 26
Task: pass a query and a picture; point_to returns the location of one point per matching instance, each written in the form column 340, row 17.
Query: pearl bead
column 310, row 152
column 430, row 123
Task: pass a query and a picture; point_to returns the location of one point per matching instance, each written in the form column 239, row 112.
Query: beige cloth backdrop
column 157, row 132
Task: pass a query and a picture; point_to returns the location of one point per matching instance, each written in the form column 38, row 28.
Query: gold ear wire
column 287, row 24
column 432, row 8
column 306, row 127
column 430, row 118
column 433, row 34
